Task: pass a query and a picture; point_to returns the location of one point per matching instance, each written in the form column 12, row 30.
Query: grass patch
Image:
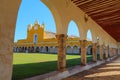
column 32, row 64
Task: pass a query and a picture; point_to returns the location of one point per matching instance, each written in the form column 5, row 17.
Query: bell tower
column 35, row 33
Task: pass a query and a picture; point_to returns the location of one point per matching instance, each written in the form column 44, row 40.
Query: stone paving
column 109, row 71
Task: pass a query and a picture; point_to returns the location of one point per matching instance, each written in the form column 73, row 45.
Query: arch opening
column 89, row 46
column 35, row 27
column 72, row 47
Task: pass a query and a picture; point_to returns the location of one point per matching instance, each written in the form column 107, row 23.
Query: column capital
column 94, row 43
column 83, row 40
column 61, row 36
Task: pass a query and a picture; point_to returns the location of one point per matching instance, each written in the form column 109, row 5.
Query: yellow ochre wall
column 42, row 40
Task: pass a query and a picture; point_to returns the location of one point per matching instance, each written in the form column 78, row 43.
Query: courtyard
column 31, row 64
column 79, row 27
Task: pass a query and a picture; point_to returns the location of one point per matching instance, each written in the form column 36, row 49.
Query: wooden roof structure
column 105, row 12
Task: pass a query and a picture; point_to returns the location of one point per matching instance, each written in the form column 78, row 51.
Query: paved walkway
column 109, row 71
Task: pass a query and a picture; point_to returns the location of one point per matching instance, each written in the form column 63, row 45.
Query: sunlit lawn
column 27, row 65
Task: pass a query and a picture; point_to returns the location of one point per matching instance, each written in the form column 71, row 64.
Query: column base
column 85, row 63
column 94, row 61
column 62, row 70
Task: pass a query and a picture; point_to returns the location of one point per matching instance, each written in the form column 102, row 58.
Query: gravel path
column 109, row 71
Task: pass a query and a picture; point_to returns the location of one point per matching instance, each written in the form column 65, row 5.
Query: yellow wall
column 39, row 30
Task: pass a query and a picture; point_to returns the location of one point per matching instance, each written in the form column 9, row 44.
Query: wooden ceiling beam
column 109, row 19
column 108, row 12
column 105, row 12
column 96, row 5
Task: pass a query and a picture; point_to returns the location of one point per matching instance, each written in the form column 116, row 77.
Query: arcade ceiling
column 105, row 12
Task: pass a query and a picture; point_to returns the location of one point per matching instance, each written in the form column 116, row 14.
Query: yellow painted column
column 83, row 52
column 94, row 51
column 101, row 52
column 61, row 38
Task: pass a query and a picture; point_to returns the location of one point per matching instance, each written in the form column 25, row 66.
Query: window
column 35, row 38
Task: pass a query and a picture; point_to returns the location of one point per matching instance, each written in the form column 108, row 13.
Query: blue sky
column 32, row 10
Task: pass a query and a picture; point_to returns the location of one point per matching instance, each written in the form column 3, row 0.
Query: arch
column 74, row 33
column 56, row 15
column 68, row 46
column 89, row 36
column 73, row 29
column 11, row 23
column 75, row 46
column 23, row 13
column 76, row 49
column 89, row 49
column 35, row 36
column 69, row 49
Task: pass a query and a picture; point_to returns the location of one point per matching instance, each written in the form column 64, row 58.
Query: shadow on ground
column 21, row 71
column 110, row 71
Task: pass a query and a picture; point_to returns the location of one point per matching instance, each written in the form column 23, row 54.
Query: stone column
column 101, row 52
column 94, row 51
column 107, row 51
column 61, row 38
column 83, row 52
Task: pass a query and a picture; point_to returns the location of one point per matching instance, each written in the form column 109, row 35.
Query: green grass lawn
column 32, row 64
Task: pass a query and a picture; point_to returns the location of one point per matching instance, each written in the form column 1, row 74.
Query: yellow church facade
column 37, row 41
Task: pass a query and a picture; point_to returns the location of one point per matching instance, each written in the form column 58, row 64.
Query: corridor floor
column 109, row 71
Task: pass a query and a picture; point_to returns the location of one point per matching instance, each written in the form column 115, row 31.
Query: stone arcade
column 103, row 21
